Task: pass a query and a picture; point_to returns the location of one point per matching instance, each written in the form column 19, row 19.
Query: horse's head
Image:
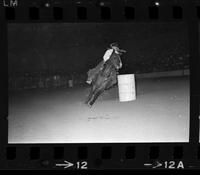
column 116, row 61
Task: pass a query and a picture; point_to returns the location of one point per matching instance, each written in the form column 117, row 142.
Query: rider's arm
column 107, row 54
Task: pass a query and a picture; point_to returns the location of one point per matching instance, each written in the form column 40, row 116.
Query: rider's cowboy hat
column 116, row 48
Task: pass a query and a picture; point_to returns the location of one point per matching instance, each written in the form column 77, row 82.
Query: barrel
column 126, row 87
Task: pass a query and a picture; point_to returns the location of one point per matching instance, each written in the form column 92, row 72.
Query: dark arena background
column 48, row 64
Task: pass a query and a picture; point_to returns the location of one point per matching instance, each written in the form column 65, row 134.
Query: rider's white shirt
column 107, row 54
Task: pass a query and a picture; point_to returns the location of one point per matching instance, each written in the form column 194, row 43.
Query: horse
column 105, row 79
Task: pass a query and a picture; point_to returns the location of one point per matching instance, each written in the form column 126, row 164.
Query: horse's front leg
column 90, row 95
column 110, row 84
column 95, row 95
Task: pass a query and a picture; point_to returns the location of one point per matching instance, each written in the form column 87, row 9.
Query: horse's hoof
column 89, row 105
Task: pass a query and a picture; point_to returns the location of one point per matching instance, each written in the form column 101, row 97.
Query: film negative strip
column 99, row 84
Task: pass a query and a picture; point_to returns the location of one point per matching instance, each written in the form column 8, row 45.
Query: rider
column 108, row 54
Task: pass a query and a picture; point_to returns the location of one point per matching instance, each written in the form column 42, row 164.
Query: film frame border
column 104, row 155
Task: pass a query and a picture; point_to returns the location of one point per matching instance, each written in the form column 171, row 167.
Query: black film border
column 108, row 155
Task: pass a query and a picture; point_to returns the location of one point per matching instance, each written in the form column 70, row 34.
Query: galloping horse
column 105, row 79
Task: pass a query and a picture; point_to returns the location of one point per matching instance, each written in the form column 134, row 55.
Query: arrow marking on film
column 158, row 165
column 147, row 164
column 65, row 165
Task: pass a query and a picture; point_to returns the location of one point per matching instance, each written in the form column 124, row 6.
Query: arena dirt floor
column 160, row 113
